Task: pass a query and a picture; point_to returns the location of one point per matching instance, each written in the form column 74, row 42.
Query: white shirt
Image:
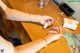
column 6, row 46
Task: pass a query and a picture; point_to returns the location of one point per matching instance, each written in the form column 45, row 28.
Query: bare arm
column 36, row 45
column 31, row 47
column 17, row 15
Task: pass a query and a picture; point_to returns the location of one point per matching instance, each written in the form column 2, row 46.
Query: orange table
column 36, row 31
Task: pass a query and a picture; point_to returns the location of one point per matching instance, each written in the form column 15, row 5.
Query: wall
column 76, row 7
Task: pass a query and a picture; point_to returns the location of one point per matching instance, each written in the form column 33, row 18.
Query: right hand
column 56, row 30
column 54, row 34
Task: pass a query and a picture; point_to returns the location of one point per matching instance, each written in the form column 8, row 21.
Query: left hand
column 42, row 19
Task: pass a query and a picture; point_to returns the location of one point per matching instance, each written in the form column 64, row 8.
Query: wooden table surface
column 36, row 31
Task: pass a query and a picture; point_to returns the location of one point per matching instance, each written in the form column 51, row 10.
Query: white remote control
column 45, row 26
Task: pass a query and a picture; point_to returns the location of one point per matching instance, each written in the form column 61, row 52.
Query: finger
column 53, row 32
column 56, row 29
column 57, row 37
column 51, row 20
column 49, row 23
column 61, row 30
column 62, row 35
column 44, row 22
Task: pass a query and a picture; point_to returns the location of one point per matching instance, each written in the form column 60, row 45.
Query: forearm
column 31, row 47
column 16, row 15
column 52, row 37
column 35, row 46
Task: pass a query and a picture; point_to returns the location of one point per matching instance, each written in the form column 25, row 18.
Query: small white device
column 45, row 26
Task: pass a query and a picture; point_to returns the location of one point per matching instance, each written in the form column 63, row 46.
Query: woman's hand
column 47, row 19
column 42, row 19
column 54, row 34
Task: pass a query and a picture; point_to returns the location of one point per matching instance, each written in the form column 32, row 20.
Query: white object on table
column 71, row 24
column 45, row 26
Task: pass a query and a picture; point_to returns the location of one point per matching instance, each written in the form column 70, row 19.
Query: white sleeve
column 5, row 46
column 2, row 5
